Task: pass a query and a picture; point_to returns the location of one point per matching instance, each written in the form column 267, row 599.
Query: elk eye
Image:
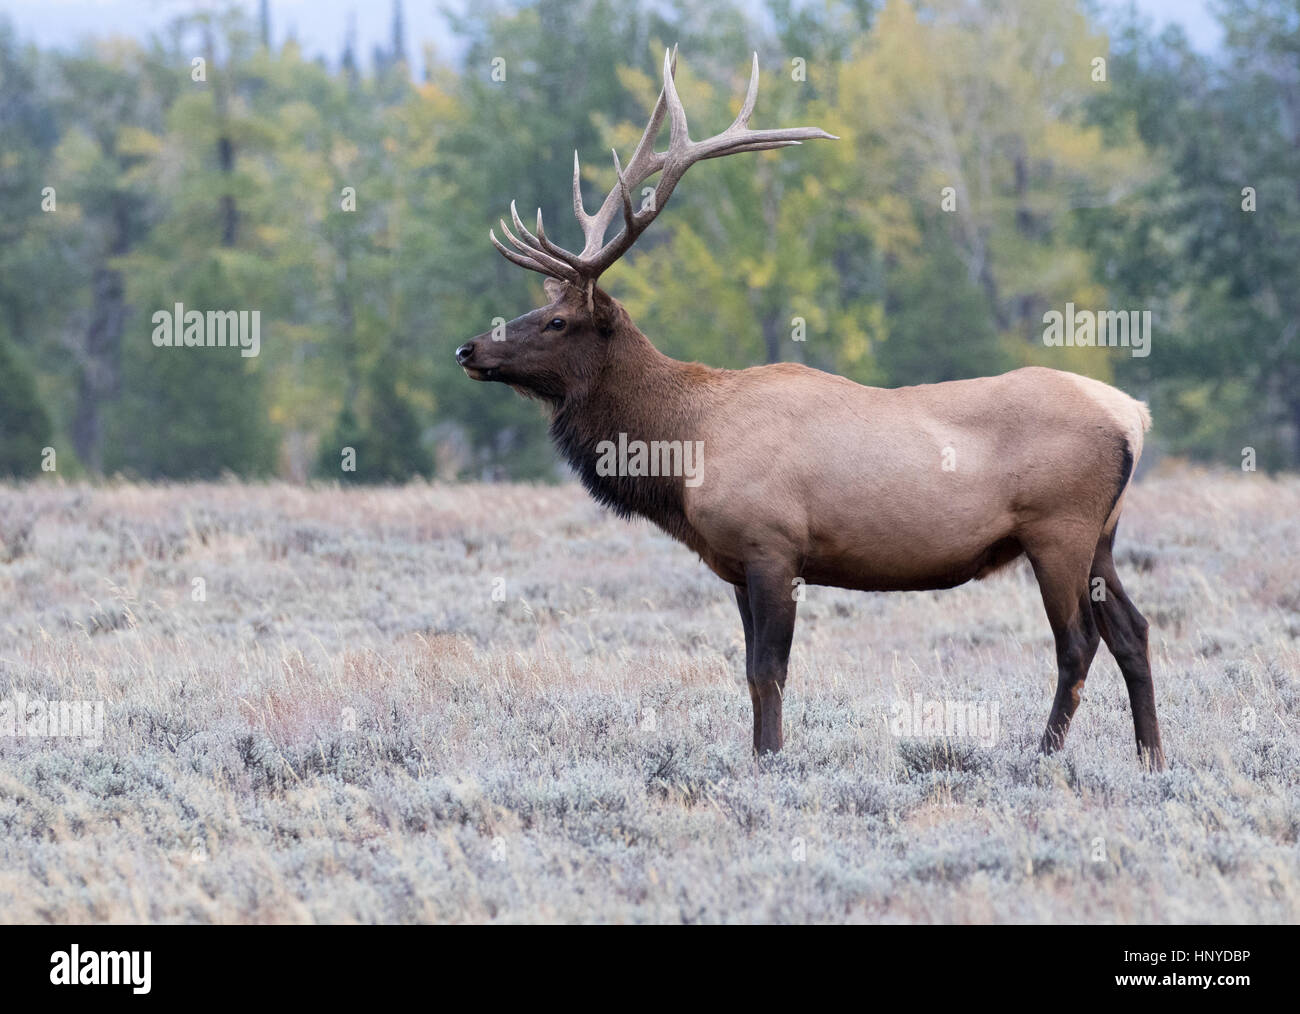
column 556, row 324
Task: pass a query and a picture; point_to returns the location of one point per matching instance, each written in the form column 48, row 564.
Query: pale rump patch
column 1129, row 414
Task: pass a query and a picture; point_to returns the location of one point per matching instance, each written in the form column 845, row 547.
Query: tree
column 33, row 270
column 24, row 424
column 385, row 440
column 98, row 167
column 196, row 412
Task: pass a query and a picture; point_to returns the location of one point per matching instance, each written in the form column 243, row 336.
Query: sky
column 321, row 25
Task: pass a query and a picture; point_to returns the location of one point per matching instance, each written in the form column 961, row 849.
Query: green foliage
column 190, row 412
column 387, row 444
column 194, row 413
column 940, row 323
column 351, row 209
column 1225, row 368
column 24, row 424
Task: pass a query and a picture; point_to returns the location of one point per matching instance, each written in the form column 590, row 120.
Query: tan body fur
column 851, row 480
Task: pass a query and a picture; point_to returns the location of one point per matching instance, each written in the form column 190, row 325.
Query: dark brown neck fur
column 649, row 396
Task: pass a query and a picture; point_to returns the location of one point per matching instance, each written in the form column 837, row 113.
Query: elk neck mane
column 640, row 392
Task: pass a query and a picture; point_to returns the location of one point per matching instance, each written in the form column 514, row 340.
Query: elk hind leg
column 1062, row 570
column 1125, row 631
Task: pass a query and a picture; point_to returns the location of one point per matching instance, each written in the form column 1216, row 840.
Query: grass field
column 499, row 703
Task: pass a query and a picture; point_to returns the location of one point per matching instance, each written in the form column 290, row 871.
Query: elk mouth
column 482, row 372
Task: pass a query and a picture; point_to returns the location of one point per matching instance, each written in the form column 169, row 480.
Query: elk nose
column 465, row 353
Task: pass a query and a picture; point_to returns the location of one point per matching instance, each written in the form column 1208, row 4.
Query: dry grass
column 351, row 728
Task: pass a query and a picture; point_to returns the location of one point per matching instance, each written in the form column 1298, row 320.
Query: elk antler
column 537, row 253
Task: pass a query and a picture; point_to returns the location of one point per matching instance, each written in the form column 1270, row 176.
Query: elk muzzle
column 469, row 358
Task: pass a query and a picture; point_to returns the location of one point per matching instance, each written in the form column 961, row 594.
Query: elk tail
column 1130, row 450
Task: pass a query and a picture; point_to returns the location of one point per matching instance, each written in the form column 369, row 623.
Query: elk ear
column 554, row 288
column 604, row 311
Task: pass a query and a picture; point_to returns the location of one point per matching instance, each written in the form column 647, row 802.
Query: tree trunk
column 229, row 213
column 100, row 375
column 772, row 335
column 1293, row 408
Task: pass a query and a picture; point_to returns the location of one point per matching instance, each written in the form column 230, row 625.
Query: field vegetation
column 499, row 703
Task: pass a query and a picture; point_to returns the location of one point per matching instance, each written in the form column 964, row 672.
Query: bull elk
column 812, row 476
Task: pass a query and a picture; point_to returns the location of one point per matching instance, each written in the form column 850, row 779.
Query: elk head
column 549, row 352
column 556, row 349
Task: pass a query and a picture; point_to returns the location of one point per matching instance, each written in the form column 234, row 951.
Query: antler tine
column 545, row 262
column 579, row 211
column 539, row 243
column 756, row 140
column 751, row 97
column 739, row 146
column 514, row 258
column 520, row 227
column 682, row 152
column 738, row 137
column 678, row 137
column 644, row 155
column 644, row 164
column 629, row 216
column 598, row 255
column 553, row 249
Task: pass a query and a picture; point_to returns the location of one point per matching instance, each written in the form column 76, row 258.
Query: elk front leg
column 747, row 621
column 772, row 615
